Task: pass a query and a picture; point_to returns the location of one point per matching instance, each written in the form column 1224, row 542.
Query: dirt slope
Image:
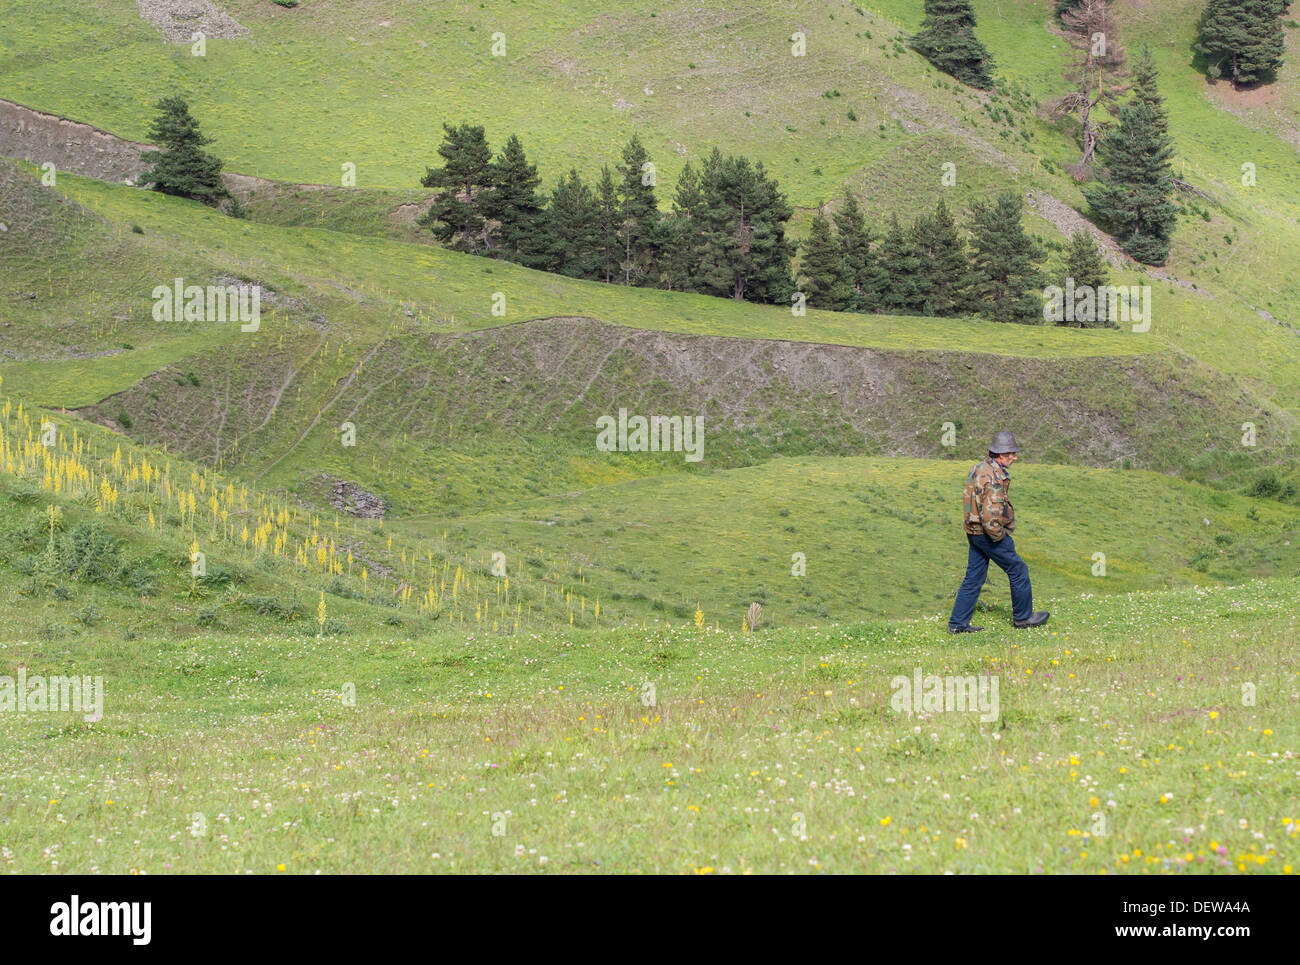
column 551, row 379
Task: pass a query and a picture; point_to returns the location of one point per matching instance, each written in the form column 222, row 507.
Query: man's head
column 1004, row 449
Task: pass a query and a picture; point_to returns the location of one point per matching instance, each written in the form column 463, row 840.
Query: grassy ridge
column 96, row 531
column 453, row 291
column 448, row 425
column 350, row 319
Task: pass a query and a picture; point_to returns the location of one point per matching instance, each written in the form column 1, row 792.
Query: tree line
column 724, row 235
column 930, row 268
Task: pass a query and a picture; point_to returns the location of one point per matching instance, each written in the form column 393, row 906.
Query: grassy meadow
column 1139, row 734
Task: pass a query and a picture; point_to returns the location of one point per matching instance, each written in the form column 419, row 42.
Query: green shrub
column 218, row 576
column 90, row 552
column 51, row 630
column 1268, row 486
column 141, row 580
column 24, row 493
column 265, row 606
column 342, row 588
column 210, row 617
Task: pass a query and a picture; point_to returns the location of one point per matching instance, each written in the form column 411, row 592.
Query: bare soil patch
column 179, row 20
column 350, row 498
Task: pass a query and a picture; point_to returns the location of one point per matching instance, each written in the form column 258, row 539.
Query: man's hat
column 1003, row 442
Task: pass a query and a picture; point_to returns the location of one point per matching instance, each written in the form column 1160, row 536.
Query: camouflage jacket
column 985, row 505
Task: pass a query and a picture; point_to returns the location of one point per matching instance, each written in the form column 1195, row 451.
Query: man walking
column 989, row 521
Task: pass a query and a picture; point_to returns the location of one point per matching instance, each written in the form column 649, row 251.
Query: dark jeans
column 1003, row 553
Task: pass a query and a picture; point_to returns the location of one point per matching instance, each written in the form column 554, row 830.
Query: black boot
column 965, row 629
column 1035, row 620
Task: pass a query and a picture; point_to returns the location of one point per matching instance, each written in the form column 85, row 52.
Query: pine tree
column 1133, row 194
column 947, row 40
column 607, row 223
column 823, row 267
column 773, row 253
column 1007, row 284
column 456, row 215
column 1146, row 88
column 638, row 214
column 1085, row 267
column 744, row 253
column 571, row 240
column 863, row 272
column 513, row 203
column 944, row 265
column 1242, row 38
column 182, row 167
column 904, row 292
column 683, row 233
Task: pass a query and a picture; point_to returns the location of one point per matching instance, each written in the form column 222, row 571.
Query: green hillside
column 97, row 532
column 259, row 97
column 483, row 421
